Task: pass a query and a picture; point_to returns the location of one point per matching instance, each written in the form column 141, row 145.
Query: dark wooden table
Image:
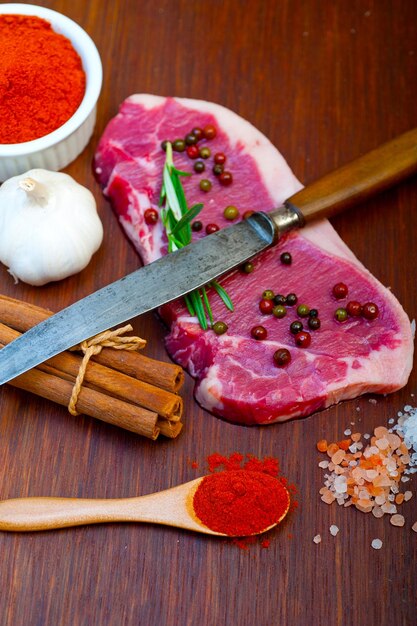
column 326, row 81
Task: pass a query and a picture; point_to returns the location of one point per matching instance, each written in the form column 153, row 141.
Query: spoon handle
column 26, row 514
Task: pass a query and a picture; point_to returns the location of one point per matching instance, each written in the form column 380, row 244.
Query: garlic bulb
column 49, row 226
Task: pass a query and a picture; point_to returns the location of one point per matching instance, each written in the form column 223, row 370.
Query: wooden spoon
column 173, row 507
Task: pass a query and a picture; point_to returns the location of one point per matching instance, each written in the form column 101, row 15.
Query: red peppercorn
column 266, row 306
column 193, row 152
column 209, row 131
column 220, row 158
column 370, row 311
column 151, row 216
column 247, row 214
column 282, row 357
column 226, row 179
column 211, row 228
column 303, row 339
column 340, row 291
column 259, row 332
column 196, row 226
column 354, row 308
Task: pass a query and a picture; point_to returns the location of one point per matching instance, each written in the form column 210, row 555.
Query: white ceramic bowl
column 57, row 149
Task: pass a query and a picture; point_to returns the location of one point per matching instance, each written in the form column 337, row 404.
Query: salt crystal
column 372, row 401
column 317, row 539
column 391, row 421
column 408, row 495
column 367, row 436
column 376, row 544
column 404, row 479
column 397, row 520
column 382, row 444
column 340, row 484
column 333, row 530
column 377, row 512
column 347, row 432
column 324, row 464
column 389, row 508
column 414, row 527
column 358, row 408
column 380, row 499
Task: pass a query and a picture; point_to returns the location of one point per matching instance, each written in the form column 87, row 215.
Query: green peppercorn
column 268, row 294
column 231, row 213
column 291, row 299
column 220, row 328
column 279, row 311
column 303, row 310
column 205, row 185
column 178, row 145
column 199, row 167
column 296, row 327
column 218, row 169
column 313, row 313
column 280, row 299
column 341, row 315
column 314, row 323
column 190, row 139
column 205, row 152
column 247, row 268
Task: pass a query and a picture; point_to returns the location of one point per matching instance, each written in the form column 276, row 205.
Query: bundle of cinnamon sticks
column 123, row 388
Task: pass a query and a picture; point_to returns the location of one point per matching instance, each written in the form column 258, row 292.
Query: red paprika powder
column 240, row 502
column 42, row 81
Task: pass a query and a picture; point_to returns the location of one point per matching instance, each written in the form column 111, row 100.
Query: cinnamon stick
column 114, row 383
column 91, row 402
column 22, row 315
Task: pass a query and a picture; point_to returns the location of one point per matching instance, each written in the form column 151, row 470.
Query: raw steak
column 236, row 377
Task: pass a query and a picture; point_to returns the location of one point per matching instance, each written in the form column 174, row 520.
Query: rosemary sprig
column 176, row 218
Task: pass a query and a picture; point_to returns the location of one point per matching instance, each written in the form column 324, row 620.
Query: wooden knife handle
column 356, row 181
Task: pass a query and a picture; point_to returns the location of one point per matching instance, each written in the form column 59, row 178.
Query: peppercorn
column 220, row 158
column 341, row 315
column 220, row 328
column 370, row 311
column 199, row 167
column 259, row 332
column 151, row 216
column 340, row 291
column 303, row 310
column 205, row 152
column 178, row 145
column 303, row 339
column 211, row 228
column 231, row 213
column 226, row 179
column 313, row 313
column 218, row 169
column 209, row 131
column 286, row 258
column 247, row 268
column 247, row 214
column 192, row 152
column 296, row 327
column 164, row 144
column 268, row 294
column 266, row 306
column 354, row 308
column 282, row 357
column 196, row 226
column 291, row 299
column 205, row 185
column 197, row 132
column 190, row 139
column 279, row 311
column 314, row 323
column 280, row 299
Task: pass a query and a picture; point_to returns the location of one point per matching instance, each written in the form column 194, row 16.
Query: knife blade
column 196, row 265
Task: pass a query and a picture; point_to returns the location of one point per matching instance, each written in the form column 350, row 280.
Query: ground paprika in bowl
column 47, row 116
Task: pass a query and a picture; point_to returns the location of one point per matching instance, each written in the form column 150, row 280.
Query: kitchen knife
column 195, row 265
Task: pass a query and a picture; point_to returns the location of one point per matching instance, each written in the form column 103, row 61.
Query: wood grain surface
column 326, row 80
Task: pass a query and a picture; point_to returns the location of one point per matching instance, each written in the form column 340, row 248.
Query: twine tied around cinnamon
column 93, row 346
